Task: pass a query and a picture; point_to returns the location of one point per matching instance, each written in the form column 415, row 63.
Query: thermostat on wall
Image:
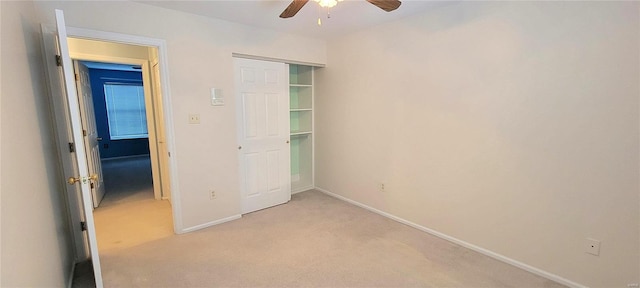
column 216, row 97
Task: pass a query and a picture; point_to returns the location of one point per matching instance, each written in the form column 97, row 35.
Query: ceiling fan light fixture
column 327, row 3
column 296, row 5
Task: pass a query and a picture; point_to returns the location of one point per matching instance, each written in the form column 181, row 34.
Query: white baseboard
column 478, row 249
column 209, row 224
column 70, row 279
column 301, row 189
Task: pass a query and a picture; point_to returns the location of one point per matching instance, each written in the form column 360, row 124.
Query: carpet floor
column 312, row 241
column 129, row 215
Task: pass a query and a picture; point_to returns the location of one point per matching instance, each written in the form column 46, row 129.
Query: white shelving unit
column 301, row 116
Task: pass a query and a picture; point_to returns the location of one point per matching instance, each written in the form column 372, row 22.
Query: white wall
column 36, row 246
column 509, row 125
column 199, row 52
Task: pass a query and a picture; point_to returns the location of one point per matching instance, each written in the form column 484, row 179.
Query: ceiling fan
column 296, row 5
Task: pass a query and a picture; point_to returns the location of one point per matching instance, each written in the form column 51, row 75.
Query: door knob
column 73, row 180
column 287, row 141
column 239, row 147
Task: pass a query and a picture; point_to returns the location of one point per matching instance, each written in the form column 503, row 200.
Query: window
column 125, row 111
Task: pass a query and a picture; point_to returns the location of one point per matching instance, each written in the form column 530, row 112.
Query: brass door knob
column 93, row 177
column 287, row 141
column 73, row 180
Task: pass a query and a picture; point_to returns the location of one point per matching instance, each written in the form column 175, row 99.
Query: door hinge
column 58, row 60
column 72, row 147
column 77, row 77
column 83, row 226
column 91, row 184
column 84, row 133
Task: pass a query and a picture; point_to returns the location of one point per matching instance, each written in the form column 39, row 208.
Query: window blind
column 126, row 111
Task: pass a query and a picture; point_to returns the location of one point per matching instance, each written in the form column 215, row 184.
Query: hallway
column 129, row 215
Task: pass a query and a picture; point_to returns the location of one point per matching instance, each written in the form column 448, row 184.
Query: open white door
column 90, row 131
column 161, row 136
column 84, row 179
column 263, row 119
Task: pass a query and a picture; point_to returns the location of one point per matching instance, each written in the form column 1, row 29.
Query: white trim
column 279, row 60
column 209, row 224
column 313, row 127
column 467, row 245
column 303, row 189
column 109, row 59
column 70, row 278
column 113, row 37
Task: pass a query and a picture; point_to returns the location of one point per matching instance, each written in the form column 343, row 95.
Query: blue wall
column 113, row 148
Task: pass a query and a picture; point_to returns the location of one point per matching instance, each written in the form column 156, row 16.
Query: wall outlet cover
column 194, row 118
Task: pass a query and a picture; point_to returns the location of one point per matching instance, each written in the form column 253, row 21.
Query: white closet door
column 262, row 102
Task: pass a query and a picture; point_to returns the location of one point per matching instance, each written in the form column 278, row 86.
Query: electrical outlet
column 212, row 194
column 381, row 187
column 592, row 246
column 194, row 118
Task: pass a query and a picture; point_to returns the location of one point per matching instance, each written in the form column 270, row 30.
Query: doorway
column 135, row 207
column 64, row 101
column 129, row 213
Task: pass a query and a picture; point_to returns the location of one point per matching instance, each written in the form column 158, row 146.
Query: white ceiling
column 348, row 16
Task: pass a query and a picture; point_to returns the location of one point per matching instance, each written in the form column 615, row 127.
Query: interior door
column 262, row 102
column 84, row 178
column 163, row 152
column 91, row 142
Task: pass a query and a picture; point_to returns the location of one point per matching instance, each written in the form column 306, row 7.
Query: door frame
column 64, row 130
column 161, row 45
column 149, row 104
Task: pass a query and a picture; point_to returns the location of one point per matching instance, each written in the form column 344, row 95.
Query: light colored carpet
column 129, row 215
column 126, row 179
column 312, row 241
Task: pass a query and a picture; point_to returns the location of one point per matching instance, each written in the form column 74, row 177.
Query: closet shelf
column 301, row 126
column 300, row 133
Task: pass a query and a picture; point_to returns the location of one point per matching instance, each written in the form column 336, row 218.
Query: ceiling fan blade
column 386, row 5
column 293, row 8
